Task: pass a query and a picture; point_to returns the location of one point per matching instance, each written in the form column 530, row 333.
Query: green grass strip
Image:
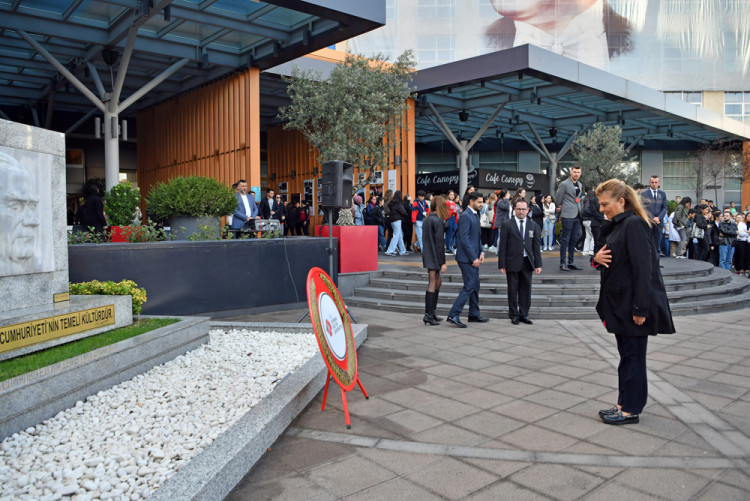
column 26, row 363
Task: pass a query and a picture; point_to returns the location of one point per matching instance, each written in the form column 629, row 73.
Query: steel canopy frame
column 47, row 47
column 552, row 96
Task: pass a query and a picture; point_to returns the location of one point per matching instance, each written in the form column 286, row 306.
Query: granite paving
column 498, row 411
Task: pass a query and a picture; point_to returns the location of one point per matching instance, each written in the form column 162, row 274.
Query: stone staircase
column 692, row 288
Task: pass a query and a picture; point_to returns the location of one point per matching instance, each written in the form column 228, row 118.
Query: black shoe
column 436, row 318
column 514, row 320
column 527, row 321
column 564, row 267
column 620, row 418
column 456, row 321
column 574, row 266
column 429, row 320
column 609, row 412
column 478, row 318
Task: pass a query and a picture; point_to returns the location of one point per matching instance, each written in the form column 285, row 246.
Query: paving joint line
column 565, row 458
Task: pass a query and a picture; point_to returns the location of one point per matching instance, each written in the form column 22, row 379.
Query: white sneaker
column 492, row 249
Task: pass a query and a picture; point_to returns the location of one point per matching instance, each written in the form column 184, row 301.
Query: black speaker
column 337, row 184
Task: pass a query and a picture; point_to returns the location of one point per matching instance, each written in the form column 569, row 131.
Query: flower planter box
column 358, row 247
column 119, row 234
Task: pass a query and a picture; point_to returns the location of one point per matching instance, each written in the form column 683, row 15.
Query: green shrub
column 192, row 196
column 671, row 206
column 123, row 288
column 120, row 204
column 87, row 237
column 146, row 232
column 206, row 232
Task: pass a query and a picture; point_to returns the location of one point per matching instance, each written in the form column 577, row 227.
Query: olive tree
column 356, row 114
column 602, row 156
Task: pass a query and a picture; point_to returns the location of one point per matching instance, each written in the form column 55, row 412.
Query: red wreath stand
column 333, row 331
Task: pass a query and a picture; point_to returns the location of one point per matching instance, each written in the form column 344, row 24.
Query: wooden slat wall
column 213, row 131
column 288, row 150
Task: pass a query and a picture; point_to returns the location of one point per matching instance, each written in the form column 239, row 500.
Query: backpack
column 303, row 215
column 367, row 214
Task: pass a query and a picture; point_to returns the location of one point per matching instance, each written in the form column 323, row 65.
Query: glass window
column 435, row 50
column 680, row 172
column 436, row 161
column 427, row 9
column 737, row 106
column 498, row 160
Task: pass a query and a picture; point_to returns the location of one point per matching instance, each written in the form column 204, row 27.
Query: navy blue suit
column 469, row 248
column 239, row 219
column 657, row 207
column 266, row 209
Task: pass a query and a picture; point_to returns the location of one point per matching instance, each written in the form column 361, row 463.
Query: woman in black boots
column 433, row 255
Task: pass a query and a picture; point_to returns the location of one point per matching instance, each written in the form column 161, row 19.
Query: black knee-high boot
column 434, row 306
column 429, row 306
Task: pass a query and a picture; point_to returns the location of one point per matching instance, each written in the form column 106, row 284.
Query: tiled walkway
column 498, row 411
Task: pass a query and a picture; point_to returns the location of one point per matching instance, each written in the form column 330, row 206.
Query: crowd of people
column 621, row 229
column 293, row 216
column 571, row 225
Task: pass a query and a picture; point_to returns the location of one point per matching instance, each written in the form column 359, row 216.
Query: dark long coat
column 632, row 285
column 433, row 242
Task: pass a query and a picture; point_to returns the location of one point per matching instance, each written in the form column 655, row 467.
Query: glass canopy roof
column 555, row 97
column 216, row 37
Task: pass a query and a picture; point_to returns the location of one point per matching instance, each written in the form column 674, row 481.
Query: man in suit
column 469, row 256
column 519, row 254
column 569, row 204
column 246, row 210
column 269, row 209
column 655, row 201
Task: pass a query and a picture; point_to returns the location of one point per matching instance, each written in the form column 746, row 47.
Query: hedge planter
column 187, row 278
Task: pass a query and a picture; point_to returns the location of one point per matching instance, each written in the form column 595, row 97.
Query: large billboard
column 669, row 45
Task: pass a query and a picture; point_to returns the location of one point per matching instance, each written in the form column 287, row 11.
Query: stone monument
column 36, row 310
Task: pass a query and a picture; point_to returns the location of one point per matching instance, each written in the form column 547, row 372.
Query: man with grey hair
column 19, row 219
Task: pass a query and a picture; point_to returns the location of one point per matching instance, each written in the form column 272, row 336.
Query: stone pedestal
column 35, row 308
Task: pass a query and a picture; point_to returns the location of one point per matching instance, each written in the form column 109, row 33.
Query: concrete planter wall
column 31, row 398
column 188, row 278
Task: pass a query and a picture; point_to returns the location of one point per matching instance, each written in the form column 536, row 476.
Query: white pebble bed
column 124, row 442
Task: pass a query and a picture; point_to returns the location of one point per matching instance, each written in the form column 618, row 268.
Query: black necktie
column 521, row 229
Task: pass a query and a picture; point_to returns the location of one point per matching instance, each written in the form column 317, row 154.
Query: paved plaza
column 498, row 411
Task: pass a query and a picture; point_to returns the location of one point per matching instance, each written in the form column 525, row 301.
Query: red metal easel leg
column 325, row 392
column 359, row 382
column 346, row 409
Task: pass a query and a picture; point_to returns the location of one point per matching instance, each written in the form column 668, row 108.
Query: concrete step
column 557, row 277
column 551, row 287
column 538, row 311
column 583, row 296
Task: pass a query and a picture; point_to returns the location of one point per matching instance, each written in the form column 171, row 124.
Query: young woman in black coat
column 632, row 299
column 433, row 255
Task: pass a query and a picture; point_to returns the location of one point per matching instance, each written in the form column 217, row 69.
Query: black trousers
column 740, row 256
column 632, row 382
column 657, row 233
column 519, row 290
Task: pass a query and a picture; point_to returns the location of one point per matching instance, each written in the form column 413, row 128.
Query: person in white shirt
column 247, row 209
column 549, row 223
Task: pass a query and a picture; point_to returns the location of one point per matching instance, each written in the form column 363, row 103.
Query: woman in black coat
column 632, row 299
column 433, row 255
column 91, row 213
column 536, row 213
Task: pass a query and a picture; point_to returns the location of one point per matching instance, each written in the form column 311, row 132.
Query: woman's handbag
column 484, row 220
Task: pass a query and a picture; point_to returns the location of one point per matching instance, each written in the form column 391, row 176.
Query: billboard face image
column 663, row 44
